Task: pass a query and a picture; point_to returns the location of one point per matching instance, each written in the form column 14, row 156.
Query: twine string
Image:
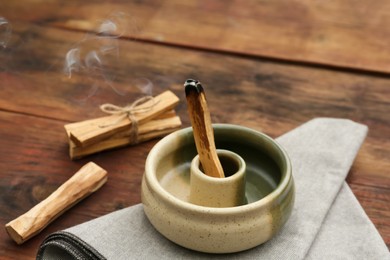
column 129, row 111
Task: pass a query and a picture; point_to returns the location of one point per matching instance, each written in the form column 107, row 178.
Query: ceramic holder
column 219, row 192
column 269, row 191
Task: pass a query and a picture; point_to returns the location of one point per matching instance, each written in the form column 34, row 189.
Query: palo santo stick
column 151, row 126
column 202, row 128
column 79, row 152
column 84, row 182
column 168, row 114
column 147, row 131
column 91, row 131
column 72, row 126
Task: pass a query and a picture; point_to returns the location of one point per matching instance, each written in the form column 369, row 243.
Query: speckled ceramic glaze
column 219, row 192
column 269, row 192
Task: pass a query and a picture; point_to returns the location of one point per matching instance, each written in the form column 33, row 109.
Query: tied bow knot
column 129, row 111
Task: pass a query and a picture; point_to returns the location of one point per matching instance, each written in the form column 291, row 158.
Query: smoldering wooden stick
column 202, row 128
column 84, row 182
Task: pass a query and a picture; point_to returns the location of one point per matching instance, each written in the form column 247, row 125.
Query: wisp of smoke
column 144, row 85
column 5, row 32
column 72, row 61
column 92, row 57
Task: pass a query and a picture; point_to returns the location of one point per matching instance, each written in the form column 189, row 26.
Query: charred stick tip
column 192, row 85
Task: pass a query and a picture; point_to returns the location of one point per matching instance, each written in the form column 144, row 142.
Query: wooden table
column 268, row 65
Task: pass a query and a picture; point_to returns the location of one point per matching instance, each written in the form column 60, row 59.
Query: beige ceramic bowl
column 269, row 192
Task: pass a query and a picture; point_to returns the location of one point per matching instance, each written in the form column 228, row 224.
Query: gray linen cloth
column 327, row 221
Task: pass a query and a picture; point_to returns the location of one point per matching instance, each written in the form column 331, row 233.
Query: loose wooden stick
column 86, row 181
column 202, row 128
column 147, row 131
column 91, row 131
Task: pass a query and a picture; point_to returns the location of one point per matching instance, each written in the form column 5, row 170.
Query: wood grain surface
column 346, row 34
column 38, row 96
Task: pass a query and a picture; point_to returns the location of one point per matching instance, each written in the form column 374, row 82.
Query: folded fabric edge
column 331, row 119
column 61, row 243
column 361, row 233
column 363, row 131
column 318, row 121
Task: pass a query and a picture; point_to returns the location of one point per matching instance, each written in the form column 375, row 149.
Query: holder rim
column 153, row 183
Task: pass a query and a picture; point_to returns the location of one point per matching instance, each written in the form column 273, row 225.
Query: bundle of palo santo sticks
column 130, row 125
